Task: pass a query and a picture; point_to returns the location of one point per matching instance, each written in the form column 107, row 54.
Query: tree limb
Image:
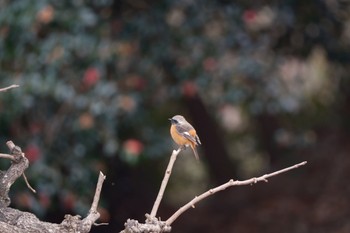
column 155, row 225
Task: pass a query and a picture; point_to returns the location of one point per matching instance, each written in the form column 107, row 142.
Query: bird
column 184, row 134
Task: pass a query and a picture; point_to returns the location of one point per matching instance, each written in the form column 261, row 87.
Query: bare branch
column 164, row 183
column 9, row 87
column 223, row 187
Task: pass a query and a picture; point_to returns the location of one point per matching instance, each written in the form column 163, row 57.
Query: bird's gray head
column 177, row 119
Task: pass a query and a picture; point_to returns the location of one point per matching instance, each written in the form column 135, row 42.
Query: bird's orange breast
column 179, row 139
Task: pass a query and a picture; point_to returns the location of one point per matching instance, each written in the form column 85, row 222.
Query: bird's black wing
column 197, row 140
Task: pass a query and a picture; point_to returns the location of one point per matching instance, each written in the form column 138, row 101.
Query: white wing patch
column 189, row 137
column 188, row 134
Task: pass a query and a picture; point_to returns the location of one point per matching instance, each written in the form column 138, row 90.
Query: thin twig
column 164, row 183
column 27, row 183
column 9, row 87
column 224, row 186
column 101, row 224
column 7, row 156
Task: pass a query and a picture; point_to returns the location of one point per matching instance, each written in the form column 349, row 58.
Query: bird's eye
column 175, row 121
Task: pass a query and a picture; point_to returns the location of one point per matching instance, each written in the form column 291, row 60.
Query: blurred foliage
column 99, row 79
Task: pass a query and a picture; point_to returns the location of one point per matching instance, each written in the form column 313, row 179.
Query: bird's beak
column 171, row 120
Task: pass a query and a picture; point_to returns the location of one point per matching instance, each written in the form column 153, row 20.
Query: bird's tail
column 195, row 151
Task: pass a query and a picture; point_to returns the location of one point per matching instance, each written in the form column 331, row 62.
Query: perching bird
column 184, row 134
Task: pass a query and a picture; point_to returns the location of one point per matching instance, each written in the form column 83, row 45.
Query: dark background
column 265, row 83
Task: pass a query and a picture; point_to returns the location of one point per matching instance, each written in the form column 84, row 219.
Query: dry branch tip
column 9, row 87
column 27, row 183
